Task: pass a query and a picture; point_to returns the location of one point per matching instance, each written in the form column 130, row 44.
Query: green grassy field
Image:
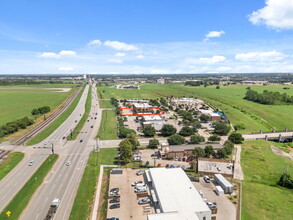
column 54, row 125
column 82, row 121
column 261, row 198
column 108, row 128
column 229, row 99
column 15, row 105
column 86, row 191
column 22, row 198
column 105, row 104
column 9, row 163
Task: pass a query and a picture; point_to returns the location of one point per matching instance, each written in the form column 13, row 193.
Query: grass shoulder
column 108, row 127
column 9, row 163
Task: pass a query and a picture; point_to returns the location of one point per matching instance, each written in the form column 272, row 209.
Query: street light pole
column 53, row 148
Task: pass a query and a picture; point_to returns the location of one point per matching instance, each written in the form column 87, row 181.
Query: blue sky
column 146, row 36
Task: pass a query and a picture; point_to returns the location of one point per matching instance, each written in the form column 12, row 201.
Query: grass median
column 108, row 127
column 9, row 163
column 84, row 199
column 22, row 198
column 82, row 121
column 55, row 124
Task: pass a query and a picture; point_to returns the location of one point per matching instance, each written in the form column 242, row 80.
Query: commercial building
column 187, row 101
column 183, row 151
column 214, row 116
column 161, row 81
column 174, row 196
column 155, row 121
column 142, row 107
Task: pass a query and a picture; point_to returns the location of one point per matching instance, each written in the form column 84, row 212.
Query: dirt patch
column 281, row 153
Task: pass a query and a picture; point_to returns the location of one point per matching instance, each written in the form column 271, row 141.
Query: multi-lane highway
column 63, row 180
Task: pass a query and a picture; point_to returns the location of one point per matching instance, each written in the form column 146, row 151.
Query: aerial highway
column 14, row 181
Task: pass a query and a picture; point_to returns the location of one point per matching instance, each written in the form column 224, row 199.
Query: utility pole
column 52, row 148
column 71, row 133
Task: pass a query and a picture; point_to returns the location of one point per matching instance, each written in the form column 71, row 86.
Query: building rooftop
column 141, row 105
column 191, row 146
column 214, row 114
column 177, row 195
column 205, row 111
column 152, row 118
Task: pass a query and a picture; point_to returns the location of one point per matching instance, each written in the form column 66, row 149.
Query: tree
column 168, row 130
column 133, row 140
column 198, row 152
column 187, row 131
column 222, row 153
column 214, row 137
column 239, row 127
column 124, row 132
column 149, row 131
column 35, row 111
column 236, row 138
column 286, row 181
column 196, row 139
column 228, row 146
column 153, row 143
column 221, row 128
column 204, row 118
column 217, row 87
column 176, row 139
column 126, row 152
column 209, row 150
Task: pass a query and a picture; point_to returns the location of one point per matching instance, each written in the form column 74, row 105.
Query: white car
column 31, row 163
column 140, row 172
column 135, row 183
column 68, row 163
column 46, row 142
column 144, row 201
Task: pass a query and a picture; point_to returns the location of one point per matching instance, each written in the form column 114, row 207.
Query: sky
column 145, row 36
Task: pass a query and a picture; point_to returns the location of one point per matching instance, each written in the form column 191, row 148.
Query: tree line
column 268, row 97
column 6, row 82
column 41, row 110
column 14, row 126
column 199, row 83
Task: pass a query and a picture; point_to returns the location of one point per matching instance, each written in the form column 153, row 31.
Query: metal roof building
column 176, row 197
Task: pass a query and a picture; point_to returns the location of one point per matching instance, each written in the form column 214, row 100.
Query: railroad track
column 48, row 121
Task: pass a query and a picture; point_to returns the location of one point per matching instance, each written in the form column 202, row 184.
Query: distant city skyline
column 146, row 36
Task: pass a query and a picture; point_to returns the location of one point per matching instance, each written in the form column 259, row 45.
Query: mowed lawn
column 108, row 127
column 229, row 99
column 261, row 197
column 15, row 105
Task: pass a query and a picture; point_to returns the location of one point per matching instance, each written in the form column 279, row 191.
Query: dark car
column 95, row 117
column 81, row 141
column 115, row 206
column 114, row 200
column 113, row 218
column 92, row 126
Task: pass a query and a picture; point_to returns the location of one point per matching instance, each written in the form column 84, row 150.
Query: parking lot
column 129, row 208
column 226, row 209
column 146, row 155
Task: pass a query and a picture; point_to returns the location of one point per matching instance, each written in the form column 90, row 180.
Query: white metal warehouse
column 175, row 197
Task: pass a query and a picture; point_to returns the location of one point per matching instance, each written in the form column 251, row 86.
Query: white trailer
column 225, row 184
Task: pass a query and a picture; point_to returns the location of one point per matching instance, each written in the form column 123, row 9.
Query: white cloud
column 140, row 56
column 120, row 45
column 94, row 43
column 277, row 14
column 260, row 56
column 119, row 54
column 115, row 61
column 224, row 68
column 66, row 69
column 62, row 53
column 211, row 60
column 213, row 34
column 159, row 71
